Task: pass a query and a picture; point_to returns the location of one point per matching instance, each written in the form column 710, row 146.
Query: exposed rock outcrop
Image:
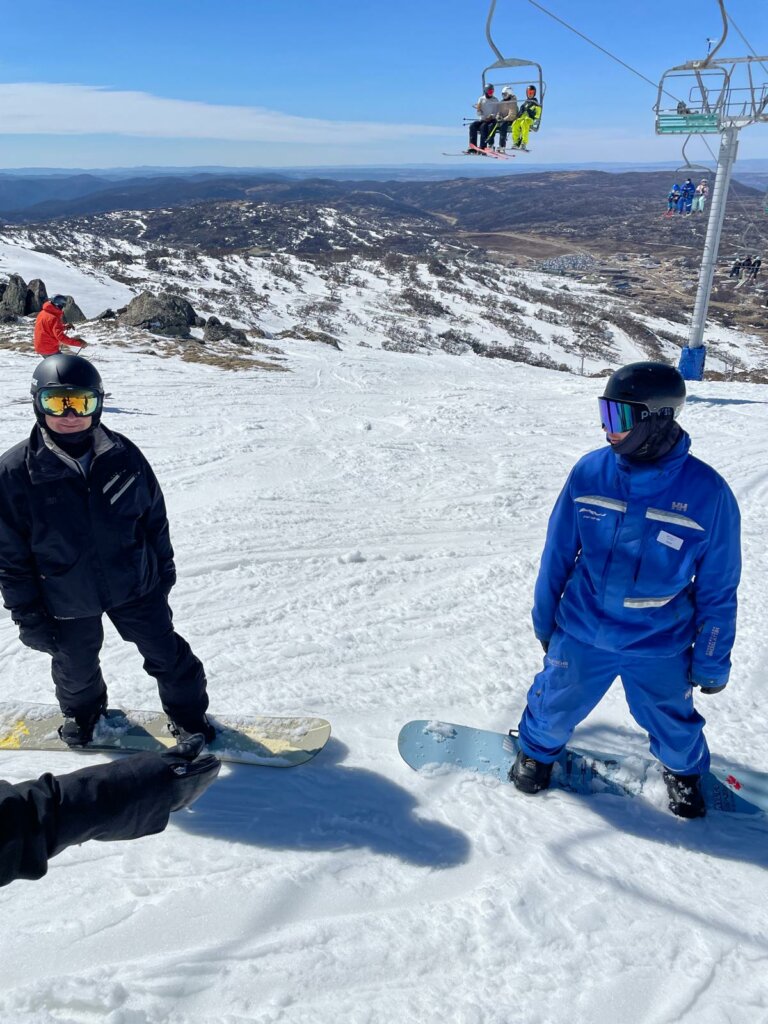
column 14, row 298
column 215, row 330
column 165, row 314
column 72, row 312
column 36, row 296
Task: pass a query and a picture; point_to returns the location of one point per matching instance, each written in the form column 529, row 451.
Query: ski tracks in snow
column 359, row 539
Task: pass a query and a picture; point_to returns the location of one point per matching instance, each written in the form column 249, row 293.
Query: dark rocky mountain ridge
column 597, row 210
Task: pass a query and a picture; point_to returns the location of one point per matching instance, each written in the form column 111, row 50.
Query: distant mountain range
column 597, row 210
column 30, row 195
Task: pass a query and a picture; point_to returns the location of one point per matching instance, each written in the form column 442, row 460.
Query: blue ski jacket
column 644, row 558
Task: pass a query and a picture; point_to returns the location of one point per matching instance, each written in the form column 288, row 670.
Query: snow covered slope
column 428, row 295
column 358, row 538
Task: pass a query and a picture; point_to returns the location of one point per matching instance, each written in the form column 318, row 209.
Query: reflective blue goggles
column 616, row 417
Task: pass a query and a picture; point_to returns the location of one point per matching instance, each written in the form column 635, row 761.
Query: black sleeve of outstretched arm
column 125, row 799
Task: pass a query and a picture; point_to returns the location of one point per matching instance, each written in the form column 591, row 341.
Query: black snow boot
column 184, row 729
column 528, row 774
column 77, row 730
column 685, row 796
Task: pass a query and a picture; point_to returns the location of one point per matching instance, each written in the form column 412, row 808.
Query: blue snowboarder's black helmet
column 639, row 390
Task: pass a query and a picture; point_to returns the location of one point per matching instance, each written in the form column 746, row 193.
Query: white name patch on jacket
column 670, row 540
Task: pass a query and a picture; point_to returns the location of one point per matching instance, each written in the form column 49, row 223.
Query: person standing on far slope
column 83, row 531
column 638, row 579
column 50, row 334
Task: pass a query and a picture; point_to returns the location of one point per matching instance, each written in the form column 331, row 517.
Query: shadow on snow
column 719, row 834
column 323, row 806
column 701, row 400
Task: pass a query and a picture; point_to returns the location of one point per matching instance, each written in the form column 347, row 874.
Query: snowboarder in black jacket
column 124, row 799
column 83, row 531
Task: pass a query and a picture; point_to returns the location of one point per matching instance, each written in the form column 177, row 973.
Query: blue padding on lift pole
column 691, row 364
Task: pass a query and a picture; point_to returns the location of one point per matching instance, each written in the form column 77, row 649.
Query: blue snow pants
column 577, row 676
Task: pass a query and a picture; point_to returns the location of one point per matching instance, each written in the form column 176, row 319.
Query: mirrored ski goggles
column 60, row 401
column 616, row 417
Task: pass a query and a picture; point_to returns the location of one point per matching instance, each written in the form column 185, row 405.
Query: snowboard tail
column 246, row 739
column 424, row 744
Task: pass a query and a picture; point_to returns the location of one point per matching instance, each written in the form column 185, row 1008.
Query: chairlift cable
column 747, row 43
column 593, row 43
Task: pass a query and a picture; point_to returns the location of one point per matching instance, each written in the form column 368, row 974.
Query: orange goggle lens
column 60, row 401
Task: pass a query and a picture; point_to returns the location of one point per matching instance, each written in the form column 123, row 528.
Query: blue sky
column 309, row 82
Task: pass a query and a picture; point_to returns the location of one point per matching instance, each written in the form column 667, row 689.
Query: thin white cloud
column 37, row 108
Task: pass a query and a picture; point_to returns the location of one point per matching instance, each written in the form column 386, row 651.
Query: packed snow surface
column 358, row 539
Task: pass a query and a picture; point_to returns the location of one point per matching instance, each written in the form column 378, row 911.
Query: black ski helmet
column 63, row 371
column 59, row 301
column 658, row 387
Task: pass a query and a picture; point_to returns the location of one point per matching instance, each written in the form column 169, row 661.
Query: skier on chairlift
column 700, row 198
column 528, row 117
column 685, row 203
column 487, row 107
column 507, row 114
column 673, row 197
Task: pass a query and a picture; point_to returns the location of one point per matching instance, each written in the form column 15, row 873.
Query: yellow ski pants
column 520, row 129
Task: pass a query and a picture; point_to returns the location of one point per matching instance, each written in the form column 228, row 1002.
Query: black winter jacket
column 74, row 545
column 121, row 800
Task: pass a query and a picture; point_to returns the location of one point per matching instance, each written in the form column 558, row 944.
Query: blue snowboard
column 422, row 744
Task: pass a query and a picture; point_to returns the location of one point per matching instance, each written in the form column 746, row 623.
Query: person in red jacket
column 50, row 334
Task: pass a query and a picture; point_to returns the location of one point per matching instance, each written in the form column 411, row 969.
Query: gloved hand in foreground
column 193, row 771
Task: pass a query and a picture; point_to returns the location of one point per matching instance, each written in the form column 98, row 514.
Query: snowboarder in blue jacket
column 638, row 579
column 687, row 192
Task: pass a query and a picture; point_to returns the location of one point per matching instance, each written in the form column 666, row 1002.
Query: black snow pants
column 478, row 132
column 148, row 623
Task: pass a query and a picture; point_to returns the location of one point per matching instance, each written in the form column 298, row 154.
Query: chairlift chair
column 518, row 85
column 701, row 91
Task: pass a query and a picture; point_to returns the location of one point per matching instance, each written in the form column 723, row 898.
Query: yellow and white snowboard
column 248, row 739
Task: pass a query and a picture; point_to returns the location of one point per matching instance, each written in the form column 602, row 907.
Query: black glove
column 712, row 689
column 39, row 632
column 544, row 645
column 193, row 772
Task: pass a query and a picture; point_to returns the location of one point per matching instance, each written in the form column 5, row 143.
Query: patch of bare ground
column 198, row 354
column 522, row 246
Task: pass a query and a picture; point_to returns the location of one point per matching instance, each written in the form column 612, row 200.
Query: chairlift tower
column 711, row 96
